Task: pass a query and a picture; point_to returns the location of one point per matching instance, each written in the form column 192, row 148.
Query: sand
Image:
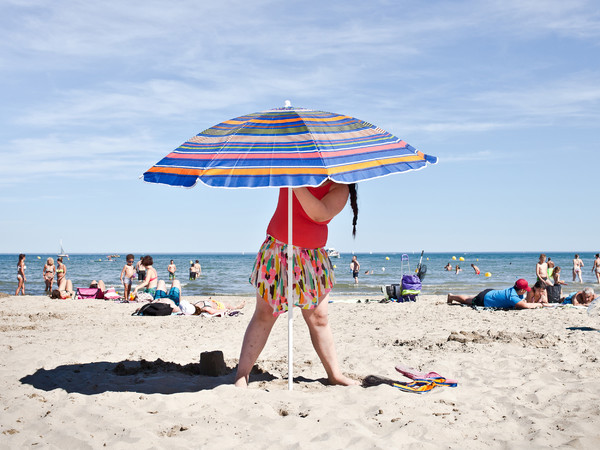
column 71, row 377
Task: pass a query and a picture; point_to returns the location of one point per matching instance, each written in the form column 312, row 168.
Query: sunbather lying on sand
column 506, row 298
column 213, row 307
column 582, row 298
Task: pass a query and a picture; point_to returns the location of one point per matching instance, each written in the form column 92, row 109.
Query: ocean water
column 227, row 274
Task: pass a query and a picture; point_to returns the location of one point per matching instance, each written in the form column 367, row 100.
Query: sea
column 227, row 273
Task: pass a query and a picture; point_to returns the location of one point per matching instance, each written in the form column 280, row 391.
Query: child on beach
column 127, row 276
column 541, row 270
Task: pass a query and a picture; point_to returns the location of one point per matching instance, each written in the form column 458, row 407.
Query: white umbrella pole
column 290, row 300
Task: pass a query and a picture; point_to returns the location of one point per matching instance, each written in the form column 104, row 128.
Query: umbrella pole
column 290, row 299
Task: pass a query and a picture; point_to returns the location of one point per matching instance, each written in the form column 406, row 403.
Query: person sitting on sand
column 448, row 267
column 476, row 269
column 537, row 294
column 171, row 297
column 581, row 298
column 150, row 278
column 505, row 298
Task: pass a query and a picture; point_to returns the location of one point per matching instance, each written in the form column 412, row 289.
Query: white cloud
column 74, row 157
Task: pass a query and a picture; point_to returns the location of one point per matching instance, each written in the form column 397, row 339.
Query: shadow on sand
column 145, row 377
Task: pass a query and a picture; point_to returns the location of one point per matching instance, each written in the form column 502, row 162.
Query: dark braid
column 354, row 204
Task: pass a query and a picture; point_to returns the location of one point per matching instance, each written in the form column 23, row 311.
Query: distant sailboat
column 62, row 251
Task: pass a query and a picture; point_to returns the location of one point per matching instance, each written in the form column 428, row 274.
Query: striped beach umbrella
column 287, row 147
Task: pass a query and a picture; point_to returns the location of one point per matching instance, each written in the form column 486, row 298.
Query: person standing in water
column 61, row 271
column 313, row 209
column 171, row 268
column 577, row 265
column 48, row 273
column 355, row 267
column 21, row 278
column 596, row 267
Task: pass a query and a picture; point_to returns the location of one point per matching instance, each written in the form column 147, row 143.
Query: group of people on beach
column 49, row 272
column 546, row 290
column 58, row 271
column 523, row 296
column 545, row 269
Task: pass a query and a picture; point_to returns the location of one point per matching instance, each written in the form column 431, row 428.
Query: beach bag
column 411, row 287
column 89, row 293
column 554, row 293
column 155, row 309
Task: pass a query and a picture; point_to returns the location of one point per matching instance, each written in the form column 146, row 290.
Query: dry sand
column 70, row 377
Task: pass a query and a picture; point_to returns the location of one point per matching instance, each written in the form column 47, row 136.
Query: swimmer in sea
column 577, row 265
column 596, row 267
column 476, row 269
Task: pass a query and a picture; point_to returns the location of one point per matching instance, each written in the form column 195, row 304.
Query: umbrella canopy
column 287, row 147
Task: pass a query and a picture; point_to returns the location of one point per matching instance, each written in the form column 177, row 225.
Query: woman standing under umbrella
column 313, row 209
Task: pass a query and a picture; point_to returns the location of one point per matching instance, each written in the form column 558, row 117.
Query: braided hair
column 354, row 205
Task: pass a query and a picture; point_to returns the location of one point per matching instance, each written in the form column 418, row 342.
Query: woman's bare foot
column 241, row 383
column 342, row 380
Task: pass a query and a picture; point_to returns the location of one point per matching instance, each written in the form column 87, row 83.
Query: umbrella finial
column 288, row 104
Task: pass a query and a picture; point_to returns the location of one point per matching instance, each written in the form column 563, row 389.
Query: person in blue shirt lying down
column 513, row 297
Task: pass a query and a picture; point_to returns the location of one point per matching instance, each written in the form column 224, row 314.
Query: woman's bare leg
column 255, row 339
column 463, row 299
column 322, row 339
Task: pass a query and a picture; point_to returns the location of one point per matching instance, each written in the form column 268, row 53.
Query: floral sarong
column 313, row 275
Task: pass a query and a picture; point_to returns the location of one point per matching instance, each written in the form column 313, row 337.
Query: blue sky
column 506, row 93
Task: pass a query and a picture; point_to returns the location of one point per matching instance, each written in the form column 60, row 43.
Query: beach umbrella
column 287, row 147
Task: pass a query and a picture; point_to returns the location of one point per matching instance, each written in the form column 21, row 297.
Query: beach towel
column 89, row 293
column 111, row 294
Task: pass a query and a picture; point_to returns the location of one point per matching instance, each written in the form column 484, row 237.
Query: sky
column 505, row 93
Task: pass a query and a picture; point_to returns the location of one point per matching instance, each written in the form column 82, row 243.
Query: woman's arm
column 326, row 208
